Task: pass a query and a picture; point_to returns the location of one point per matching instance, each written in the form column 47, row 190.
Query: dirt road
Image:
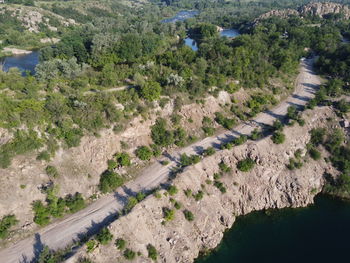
column 60, row 234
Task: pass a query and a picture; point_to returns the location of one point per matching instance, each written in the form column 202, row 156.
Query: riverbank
column 296, row 235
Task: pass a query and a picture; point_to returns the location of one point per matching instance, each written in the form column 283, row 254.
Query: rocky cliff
column 269, row 185
column 313, row 9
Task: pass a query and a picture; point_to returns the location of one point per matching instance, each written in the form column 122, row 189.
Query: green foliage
column 140, row 196
column 42, row 215
column 151, row 91
column 104, row 236
column 51, row 171
column 172, row 190
column 112, row 164
column 188, row 215
column 75, row 202
column 224, row 167
column 199, row 195
column 109, row 181
column 277, row 125
column 314, row 153
column 219, row 185
column 152, row 252
column 209, row 151
column 91, row 245
column 278, row 137
column 225, row 122
column 240, row 140
column 120, row 243
column 294, row 164
column 6, row 223
column 209, row 131
column 23, row 142
column 160, row 135
column 168, row 214
column 43, row 156
column 144, row 153
column 188, row 192
column 317, row 136
column 129, row 254
column 256, row 135
column 245, row 165
column 186, row 160
column 177, row 205
column 123, row 159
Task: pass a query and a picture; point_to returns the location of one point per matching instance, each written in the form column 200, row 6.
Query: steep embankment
column 269, row 185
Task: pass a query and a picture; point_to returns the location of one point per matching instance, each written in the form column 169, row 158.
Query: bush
column 314, row 154
column 209, row 131
column 198, row 196
column 294, row 164
column 245, row 165
column 317, row 136
column 132, row 202
column 223, row 121
column 277, row 125
column 152, row 252
column 240, row 140
column 140, row 196
column 186, row 160
column 256, row 135
column 5, row 224
column 224, row 168
column 188, row 215
column 91, row 245
column 168, row 214
column 219, row 185
column 104, row 236
column 112, row 164
column 109, row 181
column 151, row 90
column 41, row 213
column 43, row 156
column 75, row 202
column 188, row 192
column 226, row 146
column 160, row 135
column 172, row 190
column 209, row 151
column 278, row 137
column 123, row 159
column 120, row 243
column 129, row 254
column 144, row 153
column 51, row 171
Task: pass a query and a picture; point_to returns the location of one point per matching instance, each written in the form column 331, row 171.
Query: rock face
column 269, row 185
column 322, row 9
column 313, row 9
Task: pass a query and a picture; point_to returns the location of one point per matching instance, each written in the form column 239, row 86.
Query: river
column 319, row 233
column 24, row 63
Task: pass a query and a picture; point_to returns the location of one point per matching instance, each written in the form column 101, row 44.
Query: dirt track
column 60, row 234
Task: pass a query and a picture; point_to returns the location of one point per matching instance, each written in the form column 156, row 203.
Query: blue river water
column 319, row 233
column 24, row 63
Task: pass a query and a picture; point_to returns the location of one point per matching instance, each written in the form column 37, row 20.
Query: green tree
column 104, row 236
column 151, row 91
column 144, row 153
column 245, row 165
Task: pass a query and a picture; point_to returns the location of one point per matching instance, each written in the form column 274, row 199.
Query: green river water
column 319, row 233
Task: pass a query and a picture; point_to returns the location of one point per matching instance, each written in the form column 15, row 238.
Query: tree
column 151, row 91
column 152, row 252
column 144, row 153
column 129, row 254
column 123, row 159
column 5, row 224
column 110, row 181
column 188, row 215
column 120, row 243
column 160, row 135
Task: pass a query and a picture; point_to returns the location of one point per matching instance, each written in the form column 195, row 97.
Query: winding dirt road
column 62, row 233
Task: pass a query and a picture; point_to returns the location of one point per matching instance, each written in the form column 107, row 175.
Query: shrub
column 219, row 185
column 140, row 196
column 223, row 121
column 317, row 136
column 5, row 224
column 188, row 215
column 160, row 135
column 315, row 154
column 104, row 236
column 168, row 214
column 43, row 156
column 198, row 196
column 224, row 167
column 91, row 245
column 278, row 137
column 240, row 140
column 109, row 181
column 132, row 202
column 177, row 205
column 51, row 171
column 123, row 159
column 294, row 164
column 75, row 202
column 186, row 160
column 277, row 125
column 209, row 151
column 245, row 165
column 41, row 213
column 226, row 146
column 152, row 252
column 188, row 192
column 256, row 135
column 120, row 243
column 129, row 254
column 209, row 131
column 112, row 164
column 172, row 190
column 144, row 153
column 151, row 90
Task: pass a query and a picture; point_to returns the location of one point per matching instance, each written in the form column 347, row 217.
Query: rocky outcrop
column 322, row 9
column 269, row 185
column 313, row 9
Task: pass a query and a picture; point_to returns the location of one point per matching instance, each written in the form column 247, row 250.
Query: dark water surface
column 319, row 233
column 22, row 62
